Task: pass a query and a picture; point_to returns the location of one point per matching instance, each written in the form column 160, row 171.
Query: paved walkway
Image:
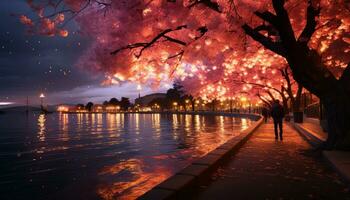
column 267, row 169
column 315, row 127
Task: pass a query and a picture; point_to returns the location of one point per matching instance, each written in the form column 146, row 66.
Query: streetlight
column 195, row 105
column 42, row 96
column 186, row 102
column 175, row 105
column 156, row 106
column 139, row 88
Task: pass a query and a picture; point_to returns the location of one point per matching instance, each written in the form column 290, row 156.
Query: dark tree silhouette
column 309, row 70
column 124, row 103
column 89, row 106
column 114, row 101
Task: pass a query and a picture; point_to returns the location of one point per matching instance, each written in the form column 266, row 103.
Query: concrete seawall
column 176, row 186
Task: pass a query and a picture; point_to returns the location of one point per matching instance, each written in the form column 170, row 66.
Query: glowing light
column 243, row 99
column 62, row 109
column 42, row 128
column 42, row 95
column 6, row 103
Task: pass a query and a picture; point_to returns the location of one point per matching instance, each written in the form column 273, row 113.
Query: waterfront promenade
column 267, row 169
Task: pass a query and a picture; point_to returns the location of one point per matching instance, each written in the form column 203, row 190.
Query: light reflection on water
column 41, row 127
column 104, row 156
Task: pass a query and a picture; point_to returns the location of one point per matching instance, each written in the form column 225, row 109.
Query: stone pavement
column 267, row 169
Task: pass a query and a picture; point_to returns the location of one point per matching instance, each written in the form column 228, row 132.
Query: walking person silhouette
column 265, row 113
column 277, row 114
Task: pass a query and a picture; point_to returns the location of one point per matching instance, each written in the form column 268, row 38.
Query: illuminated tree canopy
column 217, row 49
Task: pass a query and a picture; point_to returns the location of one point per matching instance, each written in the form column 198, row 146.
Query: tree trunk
column 335, row 94
column 308, row 69
column 285, row 104
column 338, row 119
column 297, row 100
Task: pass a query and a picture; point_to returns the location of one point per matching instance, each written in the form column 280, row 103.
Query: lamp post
column 139, row 88
column 186, row 103
column 195, row 105
column 42, row 96
column 156, row 107
column 175, row 106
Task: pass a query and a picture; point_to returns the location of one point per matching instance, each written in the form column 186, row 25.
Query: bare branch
column 202, row 30
column 271, row 95
column 233, row 5
column 267, row 16
column 179, row 54
column 271, row 31
column 311, row 23
column 130, row 46
column 283, row 25
column 174, row 40
column 259, row 85
column 208, row 3
column 145, row 45
column 267, row 102
column 265, row 41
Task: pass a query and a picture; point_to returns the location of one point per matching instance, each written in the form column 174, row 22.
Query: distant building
column 70, row 108
column 112, row 108
column 145, row 100
column 97, row 108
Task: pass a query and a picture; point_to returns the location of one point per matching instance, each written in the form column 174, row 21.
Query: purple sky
column 31, row 64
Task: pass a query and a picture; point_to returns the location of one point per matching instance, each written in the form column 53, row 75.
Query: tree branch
column 283, row 25
column 285, row 75
column 146, row 45
column 267, row 16
column 208, row 3
column 311, row 23
column 174, row 40
column 267, row 102
column 265, row 41
column 271, row 95
column 179, row 54
column 263, row 86
column 345, row 78
column 268, row 28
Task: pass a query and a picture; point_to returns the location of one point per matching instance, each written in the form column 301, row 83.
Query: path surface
column 314, row 126
column 267, row 169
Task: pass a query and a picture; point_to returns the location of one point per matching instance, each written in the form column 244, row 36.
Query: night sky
column 31, row 64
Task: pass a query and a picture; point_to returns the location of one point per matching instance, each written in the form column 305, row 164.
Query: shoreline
column 252, row 116
column 177, row 185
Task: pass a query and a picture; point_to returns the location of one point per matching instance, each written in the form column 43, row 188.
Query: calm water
column 102, row 156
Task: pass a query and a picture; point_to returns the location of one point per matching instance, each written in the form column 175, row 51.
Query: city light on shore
column 6, row 103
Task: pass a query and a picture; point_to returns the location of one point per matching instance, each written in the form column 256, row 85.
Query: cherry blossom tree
column 307, row 62
column 208, row 44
